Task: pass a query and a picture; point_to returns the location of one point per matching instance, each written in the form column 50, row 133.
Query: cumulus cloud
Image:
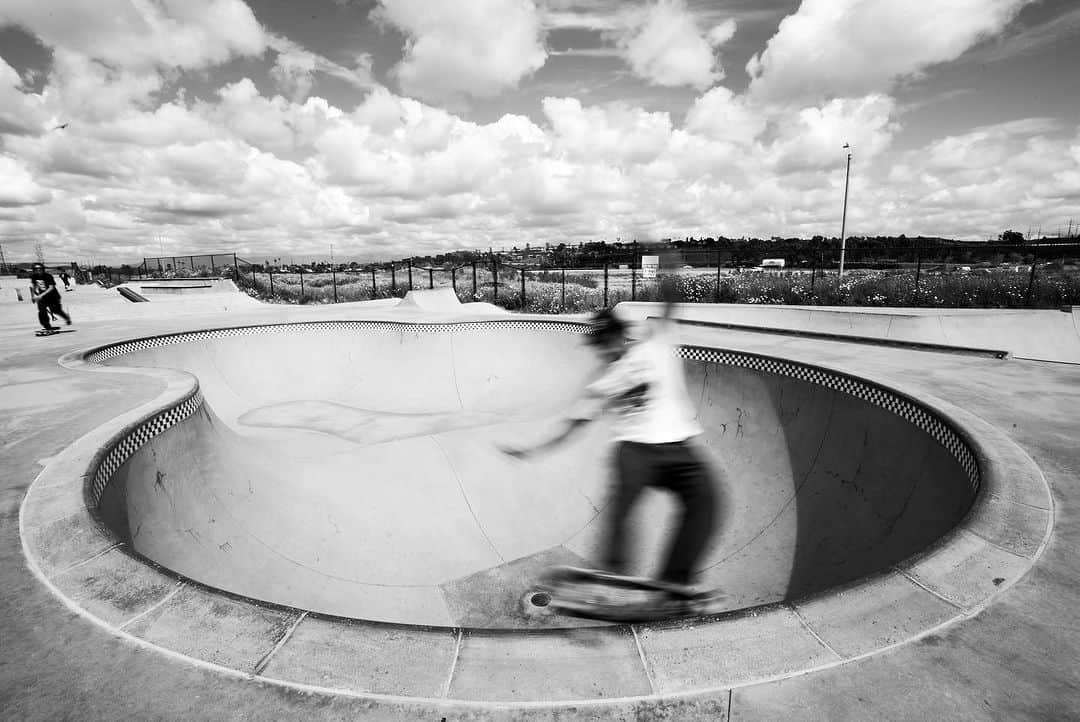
column 21, row 112
column 295, row 68
column 985, row 147
column 396, row 168
column 615, row 133
column 247, row 165
column 721, row 115
column 720, row 34
column 82, row 87
column 274, row 124
column 142, row 34
column 167, row 124
column 469, row 48
column 812, row 138
column 17, row 186
column 850, row 48
column 663, row 44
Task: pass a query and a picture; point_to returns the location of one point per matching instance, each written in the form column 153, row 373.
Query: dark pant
column 50, row 302
column 679, row 469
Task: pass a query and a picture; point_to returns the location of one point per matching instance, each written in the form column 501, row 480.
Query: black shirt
column 42, row 281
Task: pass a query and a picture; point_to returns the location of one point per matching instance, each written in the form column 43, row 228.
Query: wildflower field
column 579, row 291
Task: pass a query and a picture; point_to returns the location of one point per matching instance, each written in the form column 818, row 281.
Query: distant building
column 772, row 264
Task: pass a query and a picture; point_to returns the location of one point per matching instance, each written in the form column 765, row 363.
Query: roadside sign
column 649, row 266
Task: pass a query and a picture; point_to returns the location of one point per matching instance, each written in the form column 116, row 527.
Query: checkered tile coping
column 126, row 446
column 914, row 412
column 118, row 349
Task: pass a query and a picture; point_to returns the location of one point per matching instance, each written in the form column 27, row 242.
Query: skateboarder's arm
column 44, row 293
column 568, row 429
column 587, row 409
column 41, row 287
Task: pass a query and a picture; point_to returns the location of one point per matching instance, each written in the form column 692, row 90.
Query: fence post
column 918, row 267
column 453, row 278
column 410, row 274
column 495, row 274
column 333, row 280
column 1031, row 278
column 373, row 282
column 562, row 304
column 253, row 278
column 236, row 269
column 191, row 260
column 474, row 279
column 522, row 272
column 605, row 284
column 393, row 280
column 270, row 270
column 633, row 273
column 145, row 269
column 430, row 278
column 717, row 299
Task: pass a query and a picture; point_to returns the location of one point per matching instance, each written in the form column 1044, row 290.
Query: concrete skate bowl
column 352, row 469
column 293, row 485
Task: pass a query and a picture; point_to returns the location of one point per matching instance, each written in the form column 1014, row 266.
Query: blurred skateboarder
column 655, row 426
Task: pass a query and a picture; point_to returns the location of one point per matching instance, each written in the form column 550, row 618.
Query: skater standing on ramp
column 44, row 293
column 655, row 427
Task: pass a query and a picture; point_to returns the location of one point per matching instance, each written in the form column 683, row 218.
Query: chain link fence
column 571, row 279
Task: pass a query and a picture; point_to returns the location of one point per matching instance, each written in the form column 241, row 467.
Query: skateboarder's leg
column 690, row 479
column 631, row 476
column 58, row 310
column 43, row 314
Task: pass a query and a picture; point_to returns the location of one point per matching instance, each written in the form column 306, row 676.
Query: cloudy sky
column 274, row 128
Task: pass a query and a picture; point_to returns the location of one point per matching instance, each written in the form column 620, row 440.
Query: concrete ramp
column 186, row 286
column 130, row 295
column 445, row 302
column 190, row 295
column 439, row 300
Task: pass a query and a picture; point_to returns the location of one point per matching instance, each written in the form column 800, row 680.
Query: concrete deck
column 1011, row 656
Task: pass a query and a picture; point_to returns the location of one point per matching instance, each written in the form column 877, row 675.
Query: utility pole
column 3, row 264
column 843, row 221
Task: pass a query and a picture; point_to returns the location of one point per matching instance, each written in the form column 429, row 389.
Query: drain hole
column 540, row 599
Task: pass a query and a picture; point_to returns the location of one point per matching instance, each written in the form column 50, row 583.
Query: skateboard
column 596, row 594
column 53, row 331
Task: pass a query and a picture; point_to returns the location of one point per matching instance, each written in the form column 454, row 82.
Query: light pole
column 843, row 221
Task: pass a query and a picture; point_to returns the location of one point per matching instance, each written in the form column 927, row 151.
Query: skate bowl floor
column 353, row 470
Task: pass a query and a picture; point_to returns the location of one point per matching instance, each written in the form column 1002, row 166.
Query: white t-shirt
column 646, row 388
